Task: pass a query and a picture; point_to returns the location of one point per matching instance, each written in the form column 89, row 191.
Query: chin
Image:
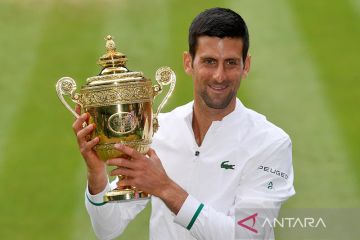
column 217, row 104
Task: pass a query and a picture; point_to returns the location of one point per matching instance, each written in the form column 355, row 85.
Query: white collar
column 189, row 111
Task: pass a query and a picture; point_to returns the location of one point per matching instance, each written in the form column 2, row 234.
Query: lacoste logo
column 227, row 166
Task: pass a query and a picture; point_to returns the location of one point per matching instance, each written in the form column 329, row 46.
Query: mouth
column 218, row 88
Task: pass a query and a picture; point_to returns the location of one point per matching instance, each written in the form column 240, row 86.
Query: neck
column 203, row 116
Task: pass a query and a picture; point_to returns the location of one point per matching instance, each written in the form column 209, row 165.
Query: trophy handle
column 164, row 76
column 67, row 86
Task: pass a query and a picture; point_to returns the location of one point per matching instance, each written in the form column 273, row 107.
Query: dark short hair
column 218, row 22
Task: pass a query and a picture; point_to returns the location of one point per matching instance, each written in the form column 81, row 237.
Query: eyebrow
column 229, row 58
column 233, row 58
column 206, row 57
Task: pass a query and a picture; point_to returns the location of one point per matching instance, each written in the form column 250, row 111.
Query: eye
column 232, row 62
column 209, row 61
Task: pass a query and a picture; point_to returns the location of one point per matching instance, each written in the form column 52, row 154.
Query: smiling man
column 211, row 153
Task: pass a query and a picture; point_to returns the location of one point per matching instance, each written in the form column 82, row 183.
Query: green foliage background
column 304, row 78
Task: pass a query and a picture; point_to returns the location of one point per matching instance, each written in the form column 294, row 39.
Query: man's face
column 217, row 70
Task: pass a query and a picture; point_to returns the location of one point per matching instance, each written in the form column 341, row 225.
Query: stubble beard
column 212, row 103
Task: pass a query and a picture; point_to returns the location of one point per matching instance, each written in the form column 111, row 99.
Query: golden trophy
column 119, row 102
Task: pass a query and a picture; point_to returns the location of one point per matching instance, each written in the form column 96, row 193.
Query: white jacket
column 244, row 164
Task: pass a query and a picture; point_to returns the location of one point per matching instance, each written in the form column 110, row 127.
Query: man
column 214, row 157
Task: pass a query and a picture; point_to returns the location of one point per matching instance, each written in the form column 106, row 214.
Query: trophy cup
column 119, row 102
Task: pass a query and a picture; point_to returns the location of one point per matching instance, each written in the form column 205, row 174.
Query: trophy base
column 117, row 195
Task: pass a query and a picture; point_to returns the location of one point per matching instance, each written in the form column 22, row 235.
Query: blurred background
column 304, row 78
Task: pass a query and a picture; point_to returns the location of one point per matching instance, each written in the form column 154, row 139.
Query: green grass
column 303, row 77
column 287, row 84
column 335, row 48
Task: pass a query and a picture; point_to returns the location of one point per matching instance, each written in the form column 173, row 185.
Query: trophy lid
column 114, row 68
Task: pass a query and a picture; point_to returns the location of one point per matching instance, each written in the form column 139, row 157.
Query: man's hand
column 145, row 172
column 97, row 177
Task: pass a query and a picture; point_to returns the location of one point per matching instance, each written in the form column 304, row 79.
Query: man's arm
column 96, row 169
column 203, row 221
column 259, row 196
column 108, row 220
column 146, row 172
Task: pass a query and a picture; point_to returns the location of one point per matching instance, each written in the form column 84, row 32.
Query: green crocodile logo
column 227, row 166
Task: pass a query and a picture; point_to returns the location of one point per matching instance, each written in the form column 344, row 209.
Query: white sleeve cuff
column 188, row 212
column 97, row 199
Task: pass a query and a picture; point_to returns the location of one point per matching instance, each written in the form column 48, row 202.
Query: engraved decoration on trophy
column 120, row 104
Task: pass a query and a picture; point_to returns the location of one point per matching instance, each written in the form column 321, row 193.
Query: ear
column 246, row 66
column 187, row 61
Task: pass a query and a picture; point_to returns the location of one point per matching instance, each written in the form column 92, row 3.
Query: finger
column 89, row 145
column 85, row 132
column 125, row 182
column 151, row 153
column 153, row 156
column 78, row 124
column 121, row 162
column 78, row 109
column 129, row 151
column 122, row 171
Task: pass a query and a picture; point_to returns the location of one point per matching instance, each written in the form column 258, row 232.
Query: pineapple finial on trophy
column 112, row 62
column 110, row 44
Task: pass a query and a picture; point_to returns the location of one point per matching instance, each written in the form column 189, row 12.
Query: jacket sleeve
column 109, row 220
column 266, row 182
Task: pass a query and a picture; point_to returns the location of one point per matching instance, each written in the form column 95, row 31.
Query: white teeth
column 218, row 87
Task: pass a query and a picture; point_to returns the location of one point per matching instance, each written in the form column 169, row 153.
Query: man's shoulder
column 178, row 113
column 263, row 139
column 171, row 124
column 261, row 127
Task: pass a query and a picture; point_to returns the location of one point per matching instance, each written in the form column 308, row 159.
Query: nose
column 220, row 74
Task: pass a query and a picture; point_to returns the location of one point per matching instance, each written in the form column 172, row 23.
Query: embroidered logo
column 225, row 165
